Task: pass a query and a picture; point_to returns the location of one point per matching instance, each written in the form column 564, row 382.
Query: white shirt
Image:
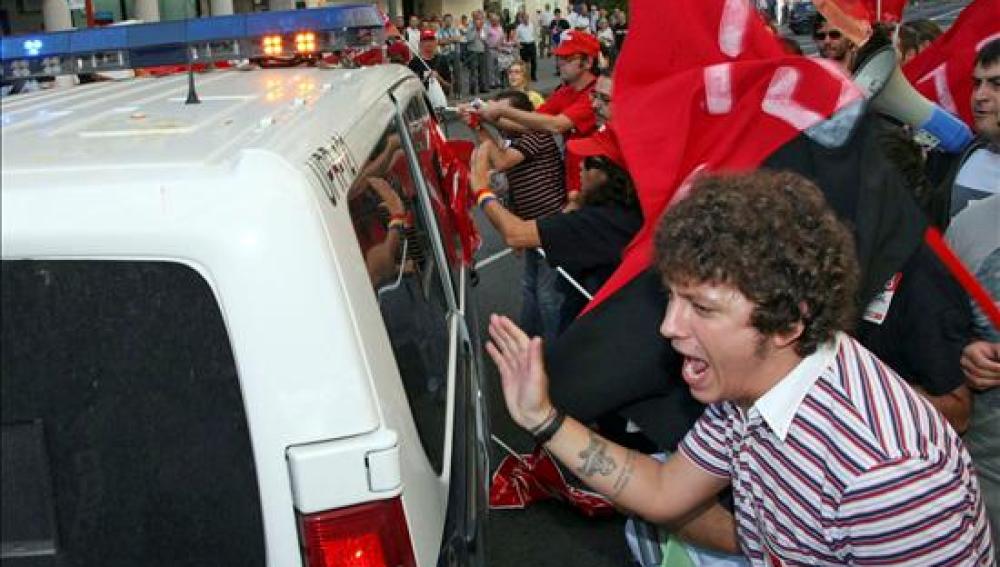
column 545, row 19
column 779, row 404
column 525, row 33
column 577, row 21
column 978, row 178
column 413, row 38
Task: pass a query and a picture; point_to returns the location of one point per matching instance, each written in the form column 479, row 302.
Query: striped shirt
column 841, row 463
column 537, row 184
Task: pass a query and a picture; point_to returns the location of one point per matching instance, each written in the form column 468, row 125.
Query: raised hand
column 522, row 372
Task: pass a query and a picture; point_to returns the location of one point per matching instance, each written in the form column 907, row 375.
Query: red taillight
column 366, row 535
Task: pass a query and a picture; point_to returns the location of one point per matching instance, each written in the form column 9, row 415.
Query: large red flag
column 716, row 94
column 943, row 71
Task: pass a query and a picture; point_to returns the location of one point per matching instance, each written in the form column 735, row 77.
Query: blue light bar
column 162, row 42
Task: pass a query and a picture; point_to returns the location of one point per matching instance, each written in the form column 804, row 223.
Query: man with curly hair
column 832, row 458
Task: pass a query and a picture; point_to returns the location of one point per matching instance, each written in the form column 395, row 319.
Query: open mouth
column 694, row 370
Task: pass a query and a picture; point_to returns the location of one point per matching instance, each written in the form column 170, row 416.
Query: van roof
column 138, row 123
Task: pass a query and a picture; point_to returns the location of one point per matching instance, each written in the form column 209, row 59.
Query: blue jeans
column 542, row 302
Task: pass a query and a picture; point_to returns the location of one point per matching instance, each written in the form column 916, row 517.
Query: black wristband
column 545, row 433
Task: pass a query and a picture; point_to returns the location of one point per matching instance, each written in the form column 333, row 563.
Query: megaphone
column 888, row 91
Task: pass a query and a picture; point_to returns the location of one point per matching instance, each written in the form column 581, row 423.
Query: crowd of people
column 477, row 53
column 846, row 428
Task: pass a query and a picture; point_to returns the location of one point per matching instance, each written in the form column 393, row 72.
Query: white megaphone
column 889, row 92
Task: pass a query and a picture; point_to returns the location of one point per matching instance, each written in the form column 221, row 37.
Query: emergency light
column 202, row 40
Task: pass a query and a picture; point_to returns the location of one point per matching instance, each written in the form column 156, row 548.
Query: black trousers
column 529, row 54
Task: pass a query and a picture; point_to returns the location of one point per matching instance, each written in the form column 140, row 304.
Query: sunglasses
column 595, row 162
column 834, row 34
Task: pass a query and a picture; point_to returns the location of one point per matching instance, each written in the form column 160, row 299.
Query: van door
column 466, row 452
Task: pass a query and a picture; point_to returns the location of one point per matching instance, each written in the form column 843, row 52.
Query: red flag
column 454, row 156
column 886, row 10
column 390, row 28
column 720, row 95
column 943, row 71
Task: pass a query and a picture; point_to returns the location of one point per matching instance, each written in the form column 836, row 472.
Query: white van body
column 233, row 189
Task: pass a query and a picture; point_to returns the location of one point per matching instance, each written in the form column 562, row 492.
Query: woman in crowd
column 517, row 76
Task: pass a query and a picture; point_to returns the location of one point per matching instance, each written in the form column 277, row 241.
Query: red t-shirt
column 575, row 105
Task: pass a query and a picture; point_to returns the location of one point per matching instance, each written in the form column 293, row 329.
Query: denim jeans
column 542, row 302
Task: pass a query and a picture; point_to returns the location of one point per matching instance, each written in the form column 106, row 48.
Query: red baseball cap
column 399, row 49
column 578, row 42
column 428, row 34
column 601, row 143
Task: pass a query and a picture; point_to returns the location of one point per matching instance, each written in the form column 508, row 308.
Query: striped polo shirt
column 537, row 184
column 843, row 463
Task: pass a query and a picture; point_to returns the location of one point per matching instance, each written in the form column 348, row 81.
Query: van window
column 125, row 439
column 420, row 124
column 407, row 284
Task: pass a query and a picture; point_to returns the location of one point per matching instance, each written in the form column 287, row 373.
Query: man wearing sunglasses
column 832, row 43
column 588, row 241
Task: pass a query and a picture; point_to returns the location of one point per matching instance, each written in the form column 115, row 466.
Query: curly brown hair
column 772, row 236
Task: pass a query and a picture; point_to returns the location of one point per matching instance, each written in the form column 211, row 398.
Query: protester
column 605, row 35
column 979, row 173
column 517, row 77
column 620, row 27
column 428, row 63
column 975, row 237
column 533, row 165
column 506, row 54
column 494, row 37
column 449, row 40
column 558, row 26
column 526, row 36
column 567, row 111
column 832, row 43
column 544, row 37
column 477, row 56
column 586, row 242
column 762, row 279
column 412, row 33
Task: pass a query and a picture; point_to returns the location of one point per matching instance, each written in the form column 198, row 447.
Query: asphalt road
column 549, row 533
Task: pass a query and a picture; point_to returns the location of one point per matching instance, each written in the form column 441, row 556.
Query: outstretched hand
column 522, row 372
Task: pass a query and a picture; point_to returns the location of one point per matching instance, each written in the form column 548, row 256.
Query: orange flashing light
column 272, row 45
column 305, row 42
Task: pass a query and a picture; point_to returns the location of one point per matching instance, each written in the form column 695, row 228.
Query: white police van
column 218, row 347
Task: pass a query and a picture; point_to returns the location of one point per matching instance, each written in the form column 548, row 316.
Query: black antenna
column 192, row 97
column 192, row 93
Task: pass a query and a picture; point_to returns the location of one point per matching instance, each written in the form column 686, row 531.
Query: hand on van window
column 522, row 372
column 390, row 199
column 981, row 364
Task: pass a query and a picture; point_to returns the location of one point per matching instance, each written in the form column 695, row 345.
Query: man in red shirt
column 568, row 111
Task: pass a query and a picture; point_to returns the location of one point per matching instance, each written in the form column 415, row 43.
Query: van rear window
column 125, row 440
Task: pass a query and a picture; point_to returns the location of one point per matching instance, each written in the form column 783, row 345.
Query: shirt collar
column 778, row 406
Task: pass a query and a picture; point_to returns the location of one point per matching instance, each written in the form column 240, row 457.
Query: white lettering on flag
column 778, row 101
column 733, row 26
column 940, row 77
column 685, row 187
column 718, row 89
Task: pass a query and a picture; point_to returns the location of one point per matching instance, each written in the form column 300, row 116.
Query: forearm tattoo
column 595, row 460
column 625, row 475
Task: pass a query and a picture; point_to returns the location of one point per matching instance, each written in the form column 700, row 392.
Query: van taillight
column 367, row 535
